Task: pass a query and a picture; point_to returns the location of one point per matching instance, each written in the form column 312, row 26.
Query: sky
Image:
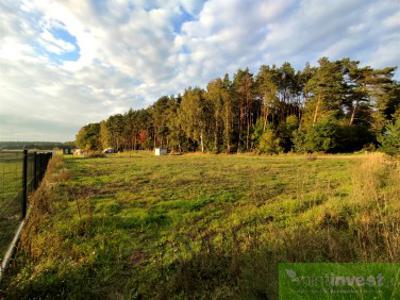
column 67, row 63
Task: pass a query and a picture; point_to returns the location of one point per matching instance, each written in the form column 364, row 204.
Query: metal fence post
column 35, row 180
column 24, row 184
column 41, row 166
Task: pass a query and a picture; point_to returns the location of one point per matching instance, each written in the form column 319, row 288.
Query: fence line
column 21, row 172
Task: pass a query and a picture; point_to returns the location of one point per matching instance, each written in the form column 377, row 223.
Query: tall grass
column 42, row 207
column 376, row 195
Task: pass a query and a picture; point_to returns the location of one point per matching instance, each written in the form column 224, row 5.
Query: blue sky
column 62, row 34
column 67, row 63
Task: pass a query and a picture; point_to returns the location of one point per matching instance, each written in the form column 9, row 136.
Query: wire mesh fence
column 11, row 164
column 20, row 174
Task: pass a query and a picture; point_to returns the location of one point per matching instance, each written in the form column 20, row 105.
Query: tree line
column 337, row 106
column 19, row 145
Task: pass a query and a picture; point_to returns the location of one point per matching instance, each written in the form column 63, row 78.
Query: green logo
column 333, row 281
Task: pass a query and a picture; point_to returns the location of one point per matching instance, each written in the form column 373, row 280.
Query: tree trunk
column 231, row 130
column 353, row 114
column 201, row 141
column 266, row 118
column 216, row 136
column 239, row 129
column 248, row 115
column 248, row 136
column 317, row 109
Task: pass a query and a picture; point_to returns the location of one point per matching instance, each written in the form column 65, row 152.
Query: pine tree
column 193, row 116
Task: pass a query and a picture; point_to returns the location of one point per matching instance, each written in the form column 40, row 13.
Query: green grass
column 10, row 203
column 11, row 164
column 136, row 226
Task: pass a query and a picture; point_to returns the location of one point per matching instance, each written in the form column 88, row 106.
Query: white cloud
column 132, row 52
column 12, row 49
column 393, row 21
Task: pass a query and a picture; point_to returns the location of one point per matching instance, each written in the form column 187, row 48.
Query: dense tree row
column 337, row 106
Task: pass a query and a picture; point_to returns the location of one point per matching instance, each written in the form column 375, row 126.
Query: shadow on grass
column 9, row 221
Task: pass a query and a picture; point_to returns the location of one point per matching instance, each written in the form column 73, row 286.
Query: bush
column 95, row 154
column 320, row 137
column 286, row 130
column 269, row 142
column 298, row 140
column 390, row 139
column 352, row 138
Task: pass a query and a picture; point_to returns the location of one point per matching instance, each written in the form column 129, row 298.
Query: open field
column 201, row 226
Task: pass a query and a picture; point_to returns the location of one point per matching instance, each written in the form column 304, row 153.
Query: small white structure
column 78, row 152
column 160, row 151
column 109, row 150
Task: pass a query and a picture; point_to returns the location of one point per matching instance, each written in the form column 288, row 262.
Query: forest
column 337, row 106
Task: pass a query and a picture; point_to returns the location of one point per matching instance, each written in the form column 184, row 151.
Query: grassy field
column 135, row 226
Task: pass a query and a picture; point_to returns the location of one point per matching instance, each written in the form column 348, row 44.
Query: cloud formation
column 66, row 63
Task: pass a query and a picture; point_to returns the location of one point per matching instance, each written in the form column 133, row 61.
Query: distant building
column 160, row 151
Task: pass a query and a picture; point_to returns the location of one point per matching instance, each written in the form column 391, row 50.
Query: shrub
column 390, row 139
column 95, row 154
column 320, row 137
column 286, row 130
column 269, row 142
column 353, row 138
